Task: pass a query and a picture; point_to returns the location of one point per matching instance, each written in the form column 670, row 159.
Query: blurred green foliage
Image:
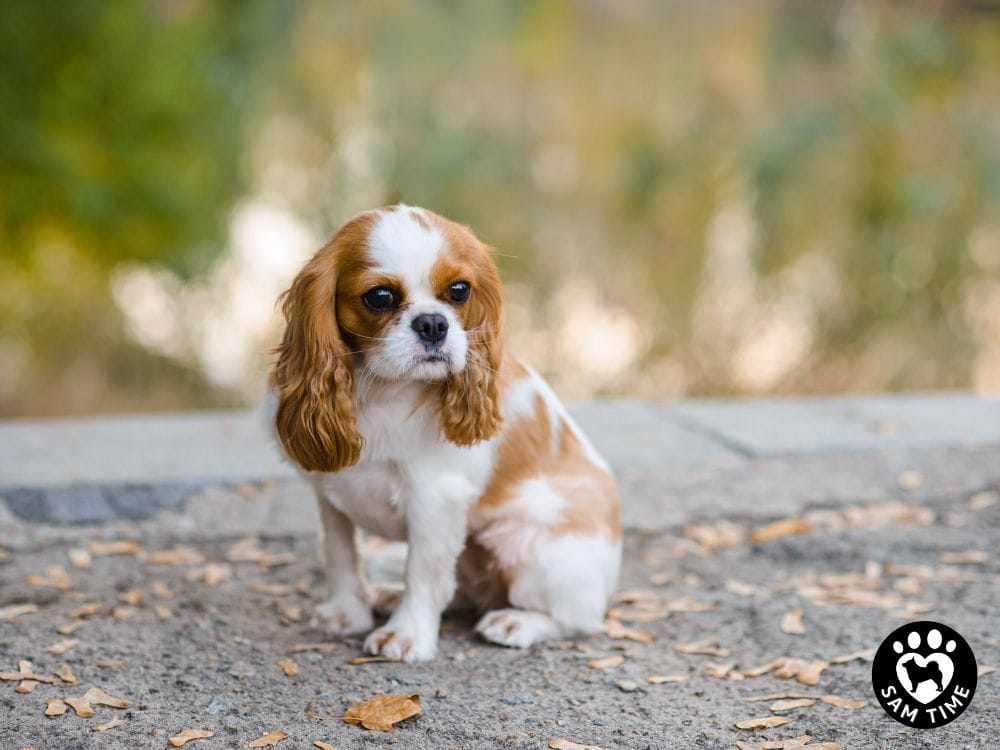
column 767, row 197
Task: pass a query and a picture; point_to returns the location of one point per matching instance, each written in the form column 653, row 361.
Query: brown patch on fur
column 470, row 400
column 313, row 375
column 527, row 451
column 481, row 580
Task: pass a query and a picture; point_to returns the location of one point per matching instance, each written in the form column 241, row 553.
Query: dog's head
column 398, row 294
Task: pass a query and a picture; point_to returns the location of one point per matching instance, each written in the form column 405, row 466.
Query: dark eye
column 459, row 292
column 379, row 299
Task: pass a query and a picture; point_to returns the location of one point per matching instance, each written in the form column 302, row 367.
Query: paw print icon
column 924, row 674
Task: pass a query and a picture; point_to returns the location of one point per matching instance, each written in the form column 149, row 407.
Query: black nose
column 431, row 327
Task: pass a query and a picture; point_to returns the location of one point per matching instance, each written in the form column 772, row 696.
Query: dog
column 917, row 674
column 394, row 397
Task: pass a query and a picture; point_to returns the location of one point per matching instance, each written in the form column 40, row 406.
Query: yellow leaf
column 659, row 679
column 269, row 740
column 707, row 648
column 16, row 610
column 792, row 623
column 765, row 722
column 81, row 706
column 299, row 647
column 563, row 744
column 605, row 663
column 323, row 745
column 63, row 646
column 778, row 529
column 615, row 630
column 788, row 705
column 187, row 735
column 70, row 627
column 175, row 556
column 836, row 700
column 382, row 711
column 55, row 707
column 110, row 725
column 98, row 696
column 116, row 547
column 26, row 686
column 65, row 674
column 370, row 659
column 289, row 667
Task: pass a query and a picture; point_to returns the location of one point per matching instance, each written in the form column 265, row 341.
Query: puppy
column 393, row 396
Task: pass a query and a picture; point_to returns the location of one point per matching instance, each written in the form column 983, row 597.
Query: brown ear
column 313, row 375
column 470, row 402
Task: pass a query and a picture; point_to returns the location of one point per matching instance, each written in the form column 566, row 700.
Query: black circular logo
column 924, row 674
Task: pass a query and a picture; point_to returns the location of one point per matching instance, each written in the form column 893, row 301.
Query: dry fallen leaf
column 160, row 591
column 792, row 743
column 323, row 745
column 292, row 613
column 98, row 696
column 984, row 670
column 70, row 627
column 269, row 740
column 123, row 612
column 271, row 589
column 63, row 646
column 792, row 623
column 81, row 705
column 16, row 610
column 289, row 667
column 87, row 610
column 175, row 556
column 778, row 529
column 765, row 722
column 719, row 671
column 740, row 589
column 269, row 560
column 65, row 674
column 810, row 675
column 370, row 659
column 867, row 654
column 788, row 705
column 659, row 679
column 162, row 612
column 970, row 557
column 982, row 500
column 382, row 711
column 615, row 630
column 605, row 663
column 299, row 647
column 4, row 555
column 26, row 686
column 836, row 700
column 707, row 648
column 79, row 558
column 55, row 707
column 110, row 725
column 115, row 547
column 134, row 596
column 714, row 536
column 187, row 735
column 776, row 696
column 564, row 744
column 690, row 604
column 55, row 576
column 211, row 575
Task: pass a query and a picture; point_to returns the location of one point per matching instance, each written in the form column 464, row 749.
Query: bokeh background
column 688, row 198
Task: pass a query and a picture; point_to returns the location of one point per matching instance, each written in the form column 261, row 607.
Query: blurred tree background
column 688, row 198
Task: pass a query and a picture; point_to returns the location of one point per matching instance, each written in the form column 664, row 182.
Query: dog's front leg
column 436, row 525
column 348, row 609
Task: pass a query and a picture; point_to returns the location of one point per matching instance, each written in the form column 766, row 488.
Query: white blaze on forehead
column 401, row 246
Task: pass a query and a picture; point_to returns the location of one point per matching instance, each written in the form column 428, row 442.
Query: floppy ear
column 470, row 402
column 313, row 376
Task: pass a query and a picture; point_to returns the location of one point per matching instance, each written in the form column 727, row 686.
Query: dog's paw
column 517, row 628
column 343, row 615
column 403, row 641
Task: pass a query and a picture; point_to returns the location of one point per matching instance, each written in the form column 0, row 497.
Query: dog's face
column 414, row 294
column 398, row 294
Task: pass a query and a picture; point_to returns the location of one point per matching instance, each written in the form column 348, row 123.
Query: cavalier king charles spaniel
column 393, row 396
